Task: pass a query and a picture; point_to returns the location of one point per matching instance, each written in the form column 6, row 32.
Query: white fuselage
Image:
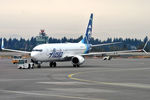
column 57, row 51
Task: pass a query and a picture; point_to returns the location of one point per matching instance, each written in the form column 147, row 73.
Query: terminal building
column 42, row 38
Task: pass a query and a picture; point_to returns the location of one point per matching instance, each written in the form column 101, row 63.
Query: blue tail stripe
column 87, row 48
column 88, row 33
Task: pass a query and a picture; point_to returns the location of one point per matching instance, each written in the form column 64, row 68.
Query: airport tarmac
column 118, row 79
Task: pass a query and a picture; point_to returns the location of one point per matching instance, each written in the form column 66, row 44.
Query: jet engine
column 77, row 60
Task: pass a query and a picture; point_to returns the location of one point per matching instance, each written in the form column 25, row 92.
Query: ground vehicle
column 22, row 64
column 107, row 58
column 16, row 59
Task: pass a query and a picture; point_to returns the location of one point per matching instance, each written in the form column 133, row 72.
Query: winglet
column 145, row 46
column 2, row 45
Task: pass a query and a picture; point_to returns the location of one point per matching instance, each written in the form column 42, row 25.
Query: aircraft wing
column 111, row 53
column 116, row 52
column 105, row 44
column 19, row 51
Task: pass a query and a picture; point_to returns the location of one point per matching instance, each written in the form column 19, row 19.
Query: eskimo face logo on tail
column 88, row 33
column 56, row 54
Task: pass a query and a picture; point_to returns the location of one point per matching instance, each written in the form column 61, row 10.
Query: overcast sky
column 59, row 18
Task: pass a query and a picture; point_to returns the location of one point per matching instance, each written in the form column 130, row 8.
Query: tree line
column 126, row 44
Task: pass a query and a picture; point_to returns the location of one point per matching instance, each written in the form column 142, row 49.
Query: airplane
column 60, row 52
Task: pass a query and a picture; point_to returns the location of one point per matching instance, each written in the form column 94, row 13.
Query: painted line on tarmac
column 40, row 94
column 62, row 83
column 132, row 85
column 120, row 69
column 6, row 80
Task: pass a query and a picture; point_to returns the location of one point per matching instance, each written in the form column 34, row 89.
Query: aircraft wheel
column 29, row 66
column 33, row 66
column 52, row 64
column 76, row 65
column 39, row 66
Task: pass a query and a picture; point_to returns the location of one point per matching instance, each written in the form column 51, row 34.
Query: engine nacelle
column 77, row 60
column 107, row 58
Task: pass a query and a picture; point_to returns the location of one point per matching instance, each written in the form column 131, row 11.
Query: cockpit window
column 39, row 50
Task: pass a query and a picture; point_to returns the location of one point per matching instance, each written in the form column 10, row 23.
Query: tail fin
column 2, row 45
column 88, row 33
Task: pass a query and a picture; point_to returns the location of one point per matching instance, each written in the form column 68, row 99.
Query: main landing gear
column 52, row 64
column 39, row 66
column 76, row 65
